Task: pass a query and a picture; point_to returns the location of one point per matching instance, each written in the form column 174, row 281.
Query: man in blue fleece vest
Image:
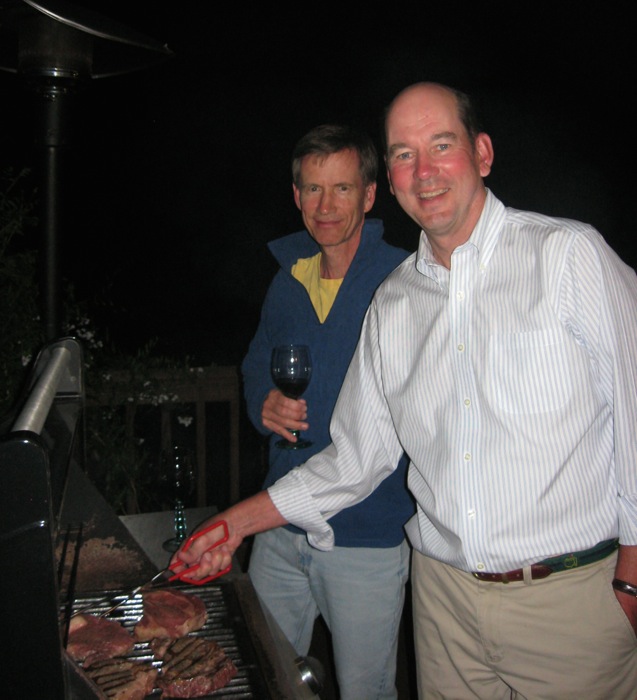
column 328, row 275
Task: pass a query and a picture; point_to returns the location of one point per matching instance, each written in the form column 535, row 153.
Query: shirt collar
column 484, row 238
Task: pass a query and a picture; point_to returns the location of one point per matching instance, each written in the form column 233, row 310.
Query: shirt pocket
column 529, row 372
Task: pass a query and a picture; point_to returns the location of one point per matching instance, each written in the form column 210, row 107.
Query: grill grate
column 225, row 624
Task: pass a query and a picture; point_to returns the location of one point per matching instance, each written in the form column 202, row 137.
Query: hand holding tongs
column 181, row 576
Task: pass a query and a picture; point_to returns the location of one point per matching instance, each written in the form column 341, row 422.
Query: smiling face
column 434, row 169
column 333, row 199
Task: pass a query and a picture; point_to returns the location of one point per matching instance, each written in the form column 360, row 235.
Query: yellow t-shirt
column 322, row 291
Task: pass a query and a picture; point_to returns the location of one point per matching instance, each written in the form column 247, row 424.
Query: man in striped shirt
column 501, row 358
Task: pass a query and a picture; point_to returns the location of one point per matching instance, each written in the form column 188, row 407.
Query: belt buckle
column 570, row 561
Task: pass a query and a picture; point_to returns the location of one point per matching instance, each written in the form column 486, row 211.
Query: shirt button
column 460, row 296
column 461, row 347
column 471, row 513
column 467, row 456
column 467, row 402
column 480, row 566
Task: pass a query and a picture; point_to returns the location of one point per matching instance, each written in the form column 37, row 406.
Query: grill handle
column 58, row 371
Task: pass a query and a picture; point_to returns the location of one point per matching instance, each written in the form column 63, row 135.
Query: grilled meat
column 192, row 656
column 121, row 679
column 192, row 667
column 93, row 638
column 169, row 613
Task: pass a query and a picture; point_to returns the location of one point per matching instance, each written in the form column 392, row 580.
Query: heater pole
column 54, row 48
column 51, row 139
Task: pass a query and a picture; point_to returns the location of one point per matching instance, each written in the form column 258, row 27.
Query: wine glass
column 178, row 477
column 291, row 370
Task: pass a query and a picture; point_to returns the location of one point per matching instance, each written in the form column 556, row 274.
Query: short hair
column 467, row 113
column 327, row 139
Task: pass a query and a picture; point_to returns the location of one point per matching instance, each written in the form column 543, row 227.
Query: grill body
column 52, row 518
column 36, row 448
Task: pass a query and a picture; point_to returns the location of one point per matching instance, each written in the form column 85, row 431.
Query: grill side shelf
column 275, row 653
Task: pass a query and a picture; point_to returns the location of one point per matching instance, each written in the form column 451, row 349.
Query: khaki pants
column 564, row 637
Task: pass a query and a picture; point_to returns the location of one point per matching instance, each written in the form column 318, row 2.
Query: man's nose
column 425, row 166
column 326, row 202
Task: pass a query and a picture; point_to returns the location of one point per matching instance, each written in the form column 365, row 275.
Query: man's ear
column 297, row 196
column 484, row 149
column 370, row 196
column 391, row 188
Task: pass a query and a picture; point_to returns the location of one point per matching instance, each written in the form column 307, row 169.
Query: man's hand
column 626, row 570
column 629, row 606
column 203, row 551
column 281, row 415
column 254, row 514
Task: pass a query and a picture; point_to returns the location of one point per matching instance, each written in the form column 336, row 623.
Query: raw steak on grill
column 92, row 638
column 121, row 679
column 192, row 667
column 169, row 613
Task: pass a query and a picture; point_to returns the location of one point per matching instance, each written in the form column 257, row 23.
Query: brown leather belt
column 537, row 571
column 563, row 562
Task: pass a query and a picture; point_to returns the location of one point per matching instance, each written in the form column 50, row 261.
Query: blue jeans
column 359, row 592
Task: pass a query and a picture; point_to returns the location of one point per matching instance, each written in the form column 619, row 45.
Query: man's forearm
column 626, row 568
column 255, row 514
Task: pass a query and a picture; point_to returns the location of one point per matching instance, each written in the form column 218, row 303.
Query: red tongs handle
column 183, row 575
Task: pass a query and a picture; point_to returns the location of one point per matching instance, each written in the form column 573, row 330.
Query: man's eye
column 443, row 146
column 403, row 156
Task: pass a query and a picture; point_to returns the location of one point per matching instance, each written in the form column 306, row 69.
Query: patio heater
column 55, row 48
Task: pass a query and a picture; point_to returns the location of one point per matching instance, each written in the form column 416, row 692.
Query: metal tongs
column 181, row 576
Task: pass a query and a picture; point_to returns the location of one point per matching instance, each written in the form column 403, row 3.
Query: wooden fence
column 199, row 387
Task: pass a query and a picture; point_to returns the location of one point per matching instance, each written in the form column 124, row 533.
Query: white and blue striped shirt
column 511, row 382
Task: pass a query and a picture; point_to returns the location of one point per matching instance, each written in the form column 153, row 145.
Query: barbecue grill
column 64, row 548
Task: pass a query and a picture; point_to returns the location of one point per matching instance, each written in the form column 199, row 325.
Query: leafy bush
column 22, row 332
column 117, row 461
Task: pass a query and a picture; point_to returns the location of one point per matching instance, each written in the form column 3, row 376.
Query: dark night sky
column 178, row 174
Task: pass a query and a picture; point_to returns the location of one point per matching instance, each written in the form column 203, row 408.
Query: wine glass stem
column 180, row 521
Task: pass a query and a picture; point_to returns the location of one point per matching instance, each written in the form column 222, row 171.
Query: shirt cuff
column 295, row 503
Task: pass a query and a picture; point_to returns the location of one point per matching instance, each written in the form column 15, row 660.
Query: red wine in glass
column 292, row 388
column 291, row 369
